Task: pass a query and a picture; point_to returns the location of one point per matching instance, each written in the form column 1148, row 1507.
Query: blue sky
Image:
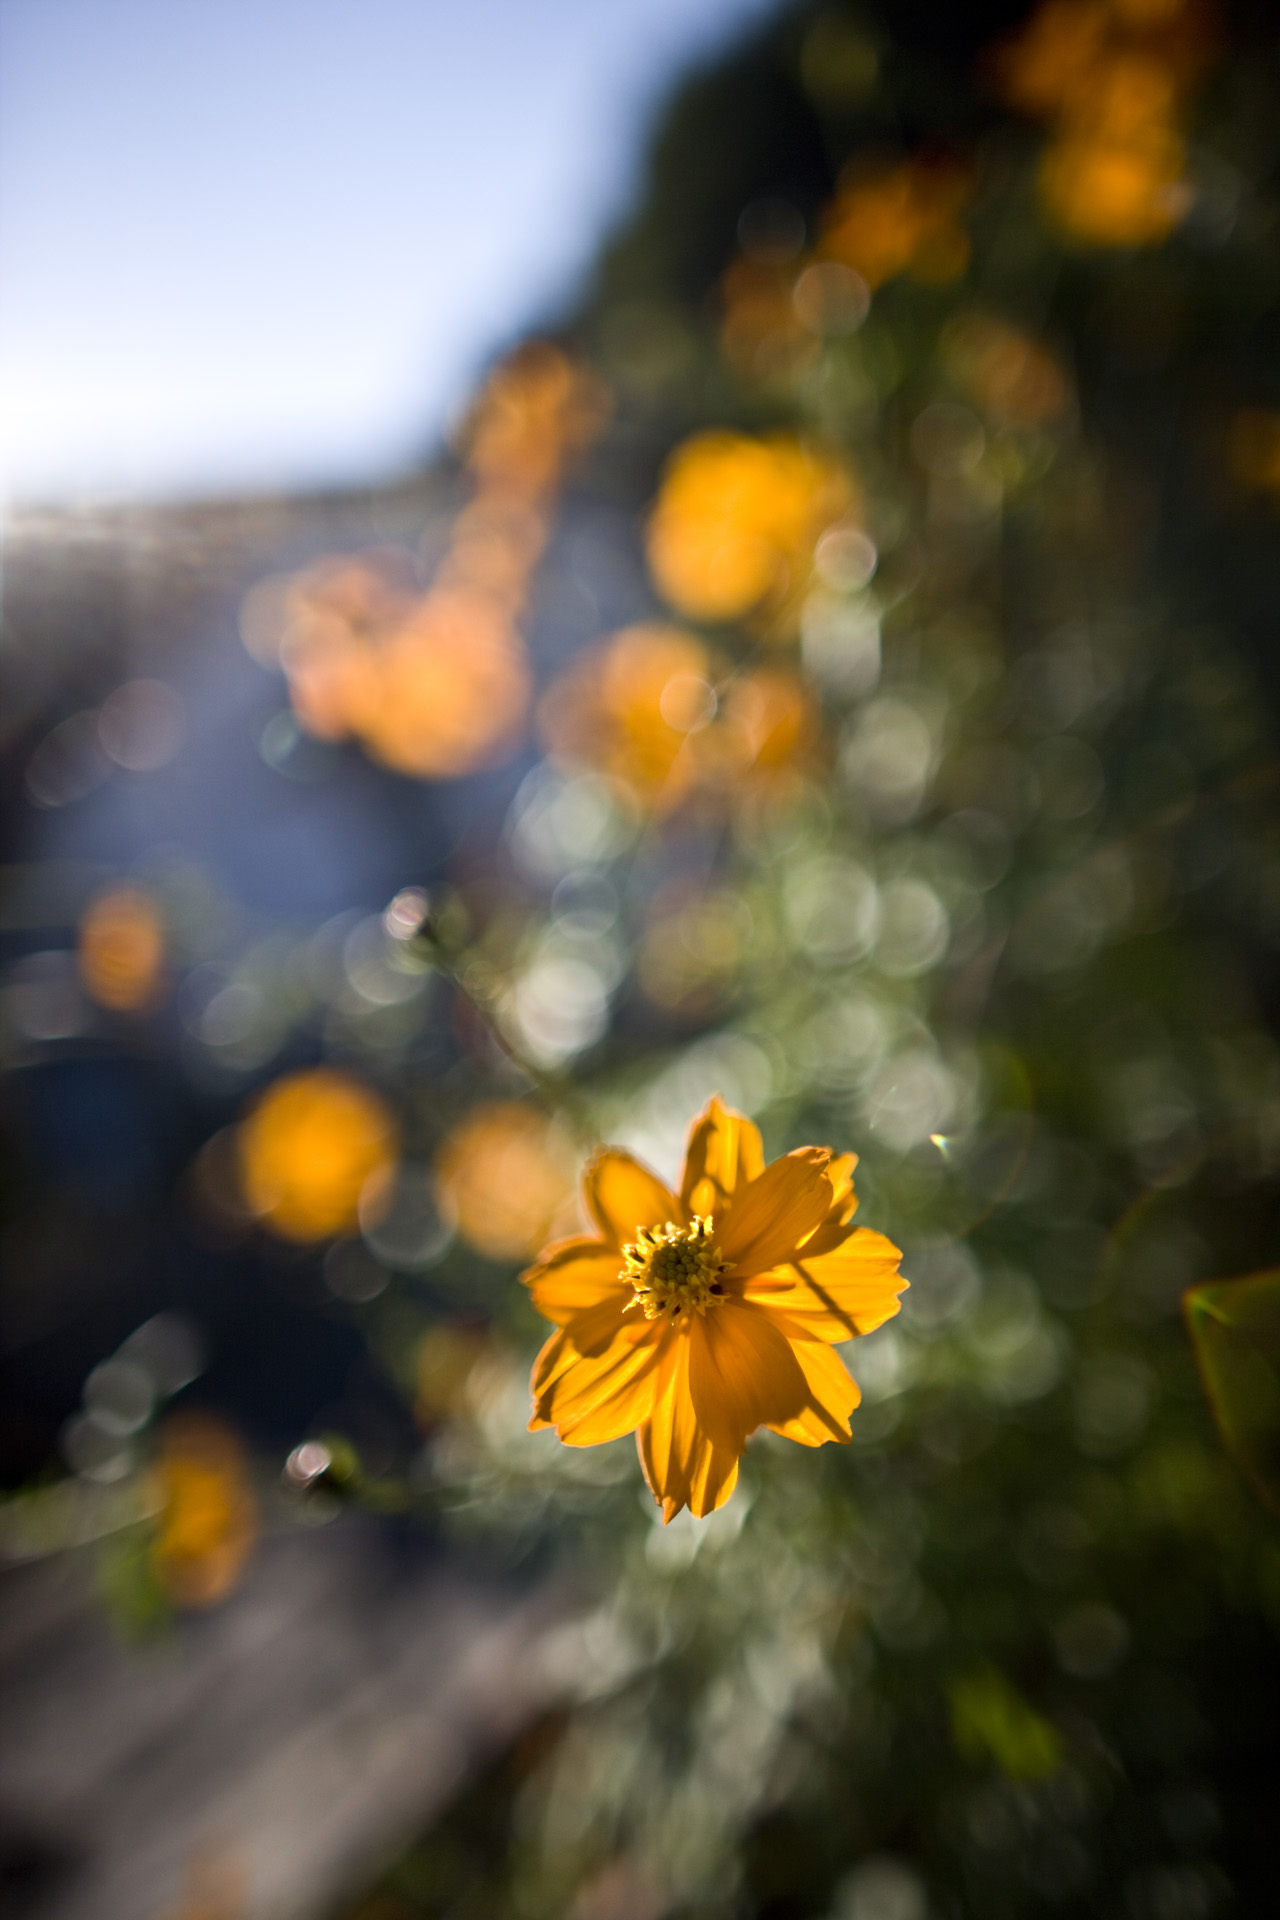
column 267, row 242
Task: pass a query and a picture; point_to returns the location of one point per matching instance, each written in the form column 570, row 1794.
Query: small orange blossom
column 208, row 1513
column 692, row 1320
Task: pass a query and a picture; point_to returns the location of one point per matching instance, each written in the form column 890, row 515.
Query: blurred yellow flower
column 505, row 1178
column 331, row 619
column 436, row 684
column 1111, row 80
column 313, row 1144
column 649, row 707
column 633, row 706
column 452, row 690
column 208, row 1516
column 494, row 546
column 1046, row 65
column 768, row 726
column 537, row 408
column 694, row 1319
column 1116, row 192
column 122, row 950
column 901, row 219
column 736, row 520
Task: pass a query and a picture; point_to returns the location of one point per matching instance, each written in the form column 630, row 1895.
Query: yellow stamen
column 676, row 1271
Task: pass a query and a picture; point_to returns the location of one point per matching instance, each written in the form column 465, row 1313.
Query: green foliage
column 131, row 1590
column 1235, row 1329
column 991, row 1721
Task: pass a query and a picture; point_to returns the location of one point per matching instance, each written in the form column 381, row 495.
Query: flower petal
column 838, row 1225
column 742, row 1374
column 574, row 1277
column 832, row 1296
column 833, row 1392
column 589, row 1399
column 724, row 1152
column 683, row 1466
column 623, row 1195
column 772, row 1214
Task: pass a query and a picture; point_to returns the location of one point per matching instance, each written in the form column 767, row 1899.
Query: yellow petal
column 588, row 1399
column 833, row 1393
column 622, row 1195
column 724, row 1152
column 742, row 1374
column 682, row 1464
column 576, row 1275
column 555, row 1357
column 772, row 1214
column 833, row 1296
column 836, row 1228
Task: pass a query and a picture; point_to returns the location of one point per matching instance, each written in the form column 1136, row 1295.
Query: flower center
column 675, row 1270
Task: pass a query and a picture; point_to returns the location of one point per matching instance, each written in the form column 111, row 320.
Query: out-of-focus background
column 557, row 562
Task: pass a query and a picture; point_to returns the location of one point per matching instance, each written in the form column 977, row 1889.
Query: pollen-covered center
column 676, row 1271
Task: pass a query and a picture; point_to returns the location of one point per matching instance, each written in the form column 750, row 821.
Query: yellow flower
column 311, row 1147
column 737, row 518
column 904, row 219
column 692, row 1320
column 635, row 705
column 1116, row 193
column 208, row 1514
column 506, row 1177
column 122, row 950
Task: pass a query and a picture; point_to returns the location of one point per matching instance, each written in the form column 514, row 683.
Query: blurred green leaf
column 1235, row 1330
column 130, row 1587
column 990, row 1720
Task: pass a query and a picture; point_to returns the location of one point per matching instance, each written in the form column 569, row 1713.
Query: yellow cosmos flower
column 694, row 1319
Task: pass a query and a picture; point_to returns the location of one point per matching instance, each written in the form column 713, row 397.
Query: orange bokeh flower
column 333, row 618
column 1116, row 193
column 694, row 1319
column 901, row 219
column 437, row 684
column 208, row 1516
column 1111, row 79
column 736, row 520
column 768, row 725
column 537, row 409
column 633, row 706
column 311, row 1147
column 452, row 689
column 1046, row 65
column 505, row 1177
column 649, row 707
column 121, row 950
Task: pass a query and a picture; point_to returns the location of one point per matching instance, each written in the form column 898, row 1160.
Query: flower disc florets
column 676, row 1271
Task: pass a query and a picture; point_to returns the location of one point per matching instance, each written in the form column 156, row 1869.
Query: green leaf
column 990, row 1720
column 1235, row 1331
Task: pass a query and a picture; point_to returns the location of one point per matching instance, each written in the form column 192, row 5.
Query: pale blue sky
column 259, row 242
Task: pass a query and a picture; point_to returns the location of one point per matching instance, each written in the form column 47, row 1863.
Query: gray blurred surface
column 289, row 1741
